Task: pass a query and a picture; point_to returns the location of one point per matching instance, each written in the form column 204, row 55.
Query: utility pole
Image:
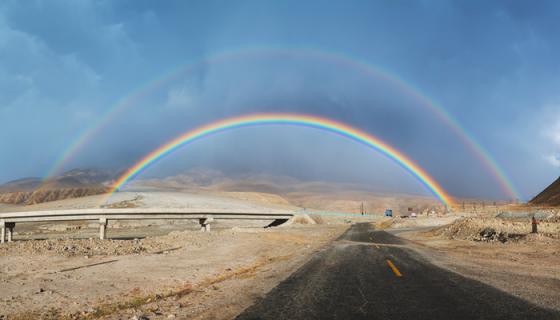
column 362, row 208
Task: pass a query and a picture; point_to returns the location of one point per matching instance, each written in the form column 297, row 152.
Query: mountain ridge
column 71, row 184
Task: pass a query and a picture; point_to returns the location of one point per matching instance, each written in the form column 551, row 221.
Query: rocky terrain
column 503, row 230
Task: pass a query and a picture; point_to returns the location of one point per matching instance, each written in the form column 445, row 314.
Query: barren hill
column 261, row 187
column 549, row 196
column 71, row 184
column 312, row 195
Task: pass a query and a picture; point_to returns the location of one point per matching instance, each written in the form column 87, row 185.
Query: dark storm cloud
column 492, row 65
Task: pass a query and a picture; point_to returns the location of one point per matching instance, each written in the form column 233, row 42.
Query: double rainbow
column 314, row 122
column 335, row 58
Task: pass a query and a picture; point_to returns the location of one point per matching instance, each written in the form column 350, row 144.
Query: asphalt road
column 353, row 280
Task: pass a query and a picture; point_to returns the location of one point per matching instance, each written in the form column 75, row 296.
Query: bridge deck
column 103, row 215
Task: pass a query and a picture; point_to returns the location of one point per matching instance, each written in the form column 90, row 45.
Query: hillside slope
column 72, row 184
column 40, row 196
column 312, row 195
column 549, row 196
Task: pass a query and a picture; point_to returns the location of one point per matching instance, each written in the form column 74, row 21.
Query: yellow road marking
column 371, row 238
column 395, row 270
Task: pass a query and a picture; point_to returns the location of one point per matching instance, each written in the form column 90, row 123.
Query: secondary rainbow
column 324, row 124
column 132, row 99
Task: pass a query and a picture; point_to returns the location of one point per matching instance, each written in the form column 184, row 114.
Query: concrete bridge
column 204, row 216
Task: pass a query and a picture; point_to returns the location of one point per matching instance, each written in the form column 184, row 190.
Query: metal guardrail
column 8, row 220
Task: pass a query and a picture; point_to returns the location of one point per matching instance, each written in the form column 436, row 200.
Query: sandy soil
column 190, row 269
column 170, row 269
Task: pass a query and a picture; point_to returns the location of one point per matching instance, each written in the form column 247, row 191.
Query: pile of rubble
column 80, row 247
column 490, row 235
column 95, row 247
column 499, row 230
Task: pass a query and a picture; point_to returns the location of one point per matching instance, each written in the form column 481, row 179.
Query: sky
column 375, row 65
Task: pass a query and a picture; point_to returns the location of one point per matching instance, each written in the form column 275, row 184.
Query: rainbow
column 315, row 122
column 355, row 63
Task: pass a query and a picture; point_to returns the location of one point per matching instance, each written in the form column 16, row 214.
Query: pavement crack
column 366, row 301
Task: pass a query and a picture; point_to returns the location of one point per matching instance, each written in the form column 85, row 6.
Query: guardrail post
column 3, row 232
column 102, row 228
column 10, row 226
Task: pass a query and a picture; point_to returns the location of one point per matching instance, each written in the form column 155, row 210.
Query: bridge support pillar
column 10, row 228
column 3, row 231
column 102, row 228
column 205, row 224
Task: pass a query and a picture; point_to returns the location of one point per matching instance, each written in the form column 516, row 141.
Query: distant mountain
column 89, row 176
column 318, row 195
column 71, row 184
column 210, row 179
column 549, row 196
column 25, row 184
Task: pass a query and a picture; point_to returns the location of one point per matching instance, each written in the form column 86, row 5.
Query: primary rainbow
column 332, row 126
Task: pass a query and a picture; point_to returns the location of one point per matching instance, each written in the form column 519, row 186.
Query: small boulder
column 487, row 233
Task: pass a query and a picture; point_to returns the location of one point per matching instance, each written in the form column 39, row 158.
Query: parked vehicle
column 388, row 213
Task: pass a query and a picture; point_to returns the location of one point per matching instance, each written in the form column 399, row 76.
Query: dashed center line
column 371, row 238
column 395, row 270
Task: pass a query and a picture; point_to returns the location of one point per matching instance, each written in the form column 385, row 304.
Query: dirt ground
column 166, row 270
column 201, row 275
column 156, row 269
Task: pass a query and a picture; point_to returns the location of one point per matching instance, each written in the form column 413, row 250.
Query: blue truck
column 388, row 213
